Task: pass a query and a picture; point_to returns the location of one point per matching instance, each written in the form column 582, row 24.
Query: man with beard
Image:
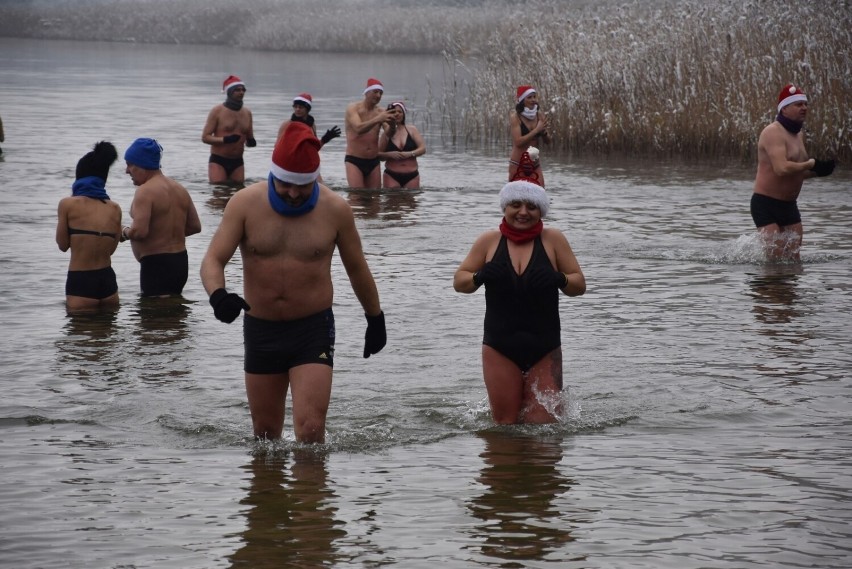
column 287, row 228
column 782, row 166
column 228, row 131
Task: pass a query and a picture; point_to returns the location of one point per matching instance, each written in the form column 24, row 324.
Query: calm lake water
column 707, row 423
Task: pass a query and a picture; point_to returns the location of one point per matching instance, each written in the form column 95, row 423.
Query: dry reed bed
column 688, row 78
column 685, row 78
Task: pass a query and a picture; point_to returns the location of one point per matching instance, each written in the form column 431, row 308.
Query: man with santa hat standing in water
column 782, row 166
column 287, row 228
column 228, row 131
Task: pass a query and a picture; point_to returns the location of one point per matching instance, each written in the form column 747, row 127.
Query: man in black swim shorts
column 287, row 228
column 782, row 167
column 163, row 216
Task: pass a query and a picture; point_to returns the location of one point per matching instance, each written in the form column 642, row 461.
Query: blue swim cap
column 145, row 153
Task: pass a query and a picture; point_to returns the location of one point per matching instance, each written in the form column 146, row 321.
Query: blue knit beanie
column 145, row 153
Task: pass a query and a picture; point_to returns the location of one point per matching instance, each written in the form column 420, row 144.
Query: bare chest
column 292, row 239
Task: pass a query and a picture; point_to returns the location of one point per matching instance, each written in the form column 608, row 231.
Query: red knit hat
column 790, row 94
column 525, row 91
column 304, row 98
column 296, row 158
column 231, row 81
column 374, row 84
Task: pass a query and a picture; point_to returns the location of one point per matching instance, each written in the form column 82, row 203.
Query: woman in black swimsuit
column 523, row 266
column 400, row 146
column 90, row 225
column 528, row 126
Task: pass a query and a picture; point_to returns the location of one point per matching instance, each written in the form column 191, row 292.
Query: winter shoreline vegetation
column 691, row 79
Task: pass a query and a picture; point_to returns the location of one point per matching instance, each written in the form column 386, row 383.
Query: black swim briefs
column 276, row 346
column 766, row 211
column 163, row 274
column 229, row 164
column 97, row 284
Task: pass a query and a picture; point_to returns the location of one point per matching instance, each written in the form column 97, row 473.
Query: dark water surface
column 707, row 423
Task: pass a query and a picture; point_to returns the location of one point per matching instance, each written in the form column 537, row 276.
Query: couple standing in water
column 374, row 135
column 89, row 224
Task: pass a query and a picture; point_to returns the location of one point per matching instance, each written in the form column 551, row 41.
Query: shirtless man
column 163, row 216
column 228, row 131
column 287, row 228
column 782, row 166
column 364, row 120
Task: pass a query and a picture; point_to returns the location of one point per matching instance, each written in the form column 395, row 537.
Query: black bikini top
column 72, row 231
column 407, row 147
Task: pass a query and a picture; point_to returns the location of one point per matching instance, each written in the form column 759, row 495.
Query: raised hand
column 330, row 134
column 823, row 167
column 491, row 272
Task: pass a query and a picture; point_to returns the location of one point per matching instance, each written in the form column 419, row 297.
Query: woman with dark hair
column 528, row 126
column 399, row 146
column 524, row 267
column 90, row 225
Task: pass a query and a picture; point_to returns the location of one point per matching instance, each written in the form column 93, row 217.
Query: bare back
column 88, row 252
column 164, row 215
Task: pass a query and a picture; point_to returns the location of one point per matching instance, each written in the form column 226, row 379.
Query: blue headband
column 145, row 153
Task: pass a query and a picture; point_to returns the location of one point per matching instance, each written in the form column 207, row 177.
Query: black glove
column 250, row 142
column 330, row 134
column 227, row 305
column 823, row 167
column 490, row 273
column 546, row 278
column 231, row 138
column 376, row 336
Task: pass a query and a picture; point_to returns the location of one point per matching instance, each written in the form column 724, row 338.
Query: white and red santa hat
column 231, row 82
column 296, row 158
column 525, row 91
column 524, row 191
column 373, row 84
column 790, row 94
column 304, row 98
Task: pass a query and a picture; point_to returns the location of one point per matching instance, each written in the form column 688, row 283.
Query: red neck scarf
column 521, row 235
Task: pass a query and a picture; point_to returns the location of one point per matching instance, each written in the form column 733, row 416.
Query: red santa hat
column 296, row 158
column 304, row 98
column 525, row 91
column 374, row 84
column 230, row 82
column 790, row 94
